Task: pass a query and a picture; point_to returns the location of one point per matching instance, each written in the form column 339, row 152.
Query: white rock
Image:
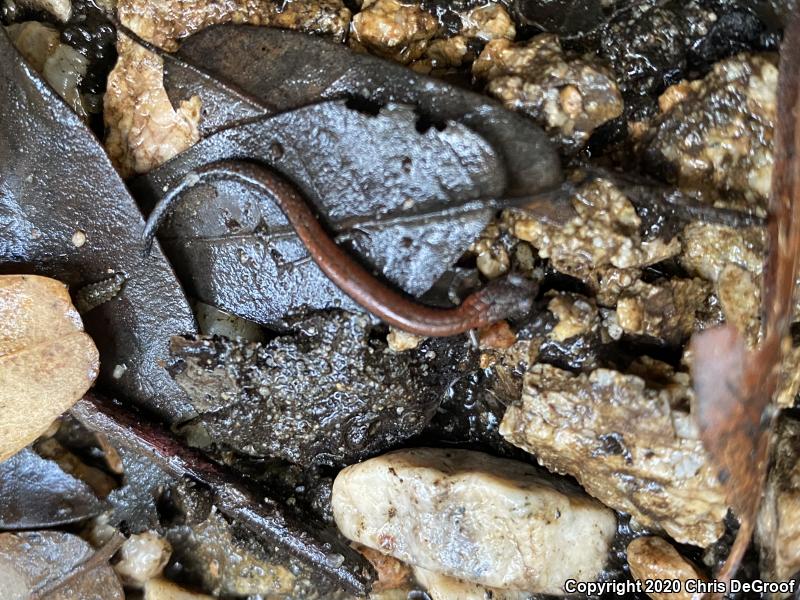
column 474, row 517
column 142, row 557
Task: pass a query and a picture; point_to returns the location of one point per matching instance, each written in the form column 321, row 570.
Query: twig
column 309, row 542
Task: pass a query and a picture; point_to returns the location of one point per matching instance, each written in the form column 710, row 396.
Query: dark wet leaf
column 56, row 566
column 565, row 17
column 135, row 503
column 57, row 182
column 277, row 70
column 735, row 386
column 244, row 73
column 408, row 203
column 325, row 395
column 36, row 493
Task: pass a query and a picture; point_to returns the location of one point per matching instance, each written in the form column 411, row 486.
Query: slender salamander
column 500, row 299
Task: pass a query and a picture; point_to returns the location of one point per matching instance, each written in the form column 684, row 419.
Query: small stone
column 498, row 336
column 78, row 238
column 477, row 518
column 569, row 97
column 718, row 131
column 630, row 444
column 646, row 47
column 666, row 311
column 708, row 249
column 493, row 261
column 488, row 22
column 393, row 29
column 165, row 22
column 392, row 573
column 143, row 130
column 739, row 293
column 576, row 316
column 163, row 589
column 400, row 341
column 442, row 587
column 60, row 9
column 142, row 557
column 332, row 560
column 603, row 234
column 732, row 259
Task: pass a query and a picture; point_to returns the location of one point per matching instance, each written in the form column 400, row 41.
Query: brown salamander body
column 500, row 299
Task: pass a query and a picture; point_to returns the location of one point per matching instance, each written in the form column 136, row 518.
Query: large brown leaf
column 47, row 362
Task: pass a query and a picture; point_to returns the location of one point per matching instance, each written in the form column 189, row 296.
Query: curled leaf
column 47, row 362
column 409, row 204
column 734, row 387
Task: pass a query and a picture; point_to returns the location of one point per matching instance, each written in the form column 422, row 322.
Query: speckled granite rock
column 631, row 445
column 667, row 311
column 164, row 22
column 143, row 130
column 393, row 29
column 601, row 241
column 653, row 558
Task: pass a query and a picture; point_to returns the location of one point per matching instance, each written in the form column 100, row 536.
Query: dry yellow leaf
column 47, row 362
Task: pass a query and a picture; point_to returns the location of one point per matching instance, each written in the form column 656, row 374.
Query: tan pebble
column 493, row 262
column 673, row 95
column 78, row 238
column 142, row 558
column 652, row 558
column 392, row 573
column 487, row 360
column 498, row 336
column 400, row 340
column 162, row 589
column 571, row 101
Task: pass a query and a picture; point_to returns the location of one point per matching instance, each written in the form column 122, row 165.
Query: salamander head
column 509, row 297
